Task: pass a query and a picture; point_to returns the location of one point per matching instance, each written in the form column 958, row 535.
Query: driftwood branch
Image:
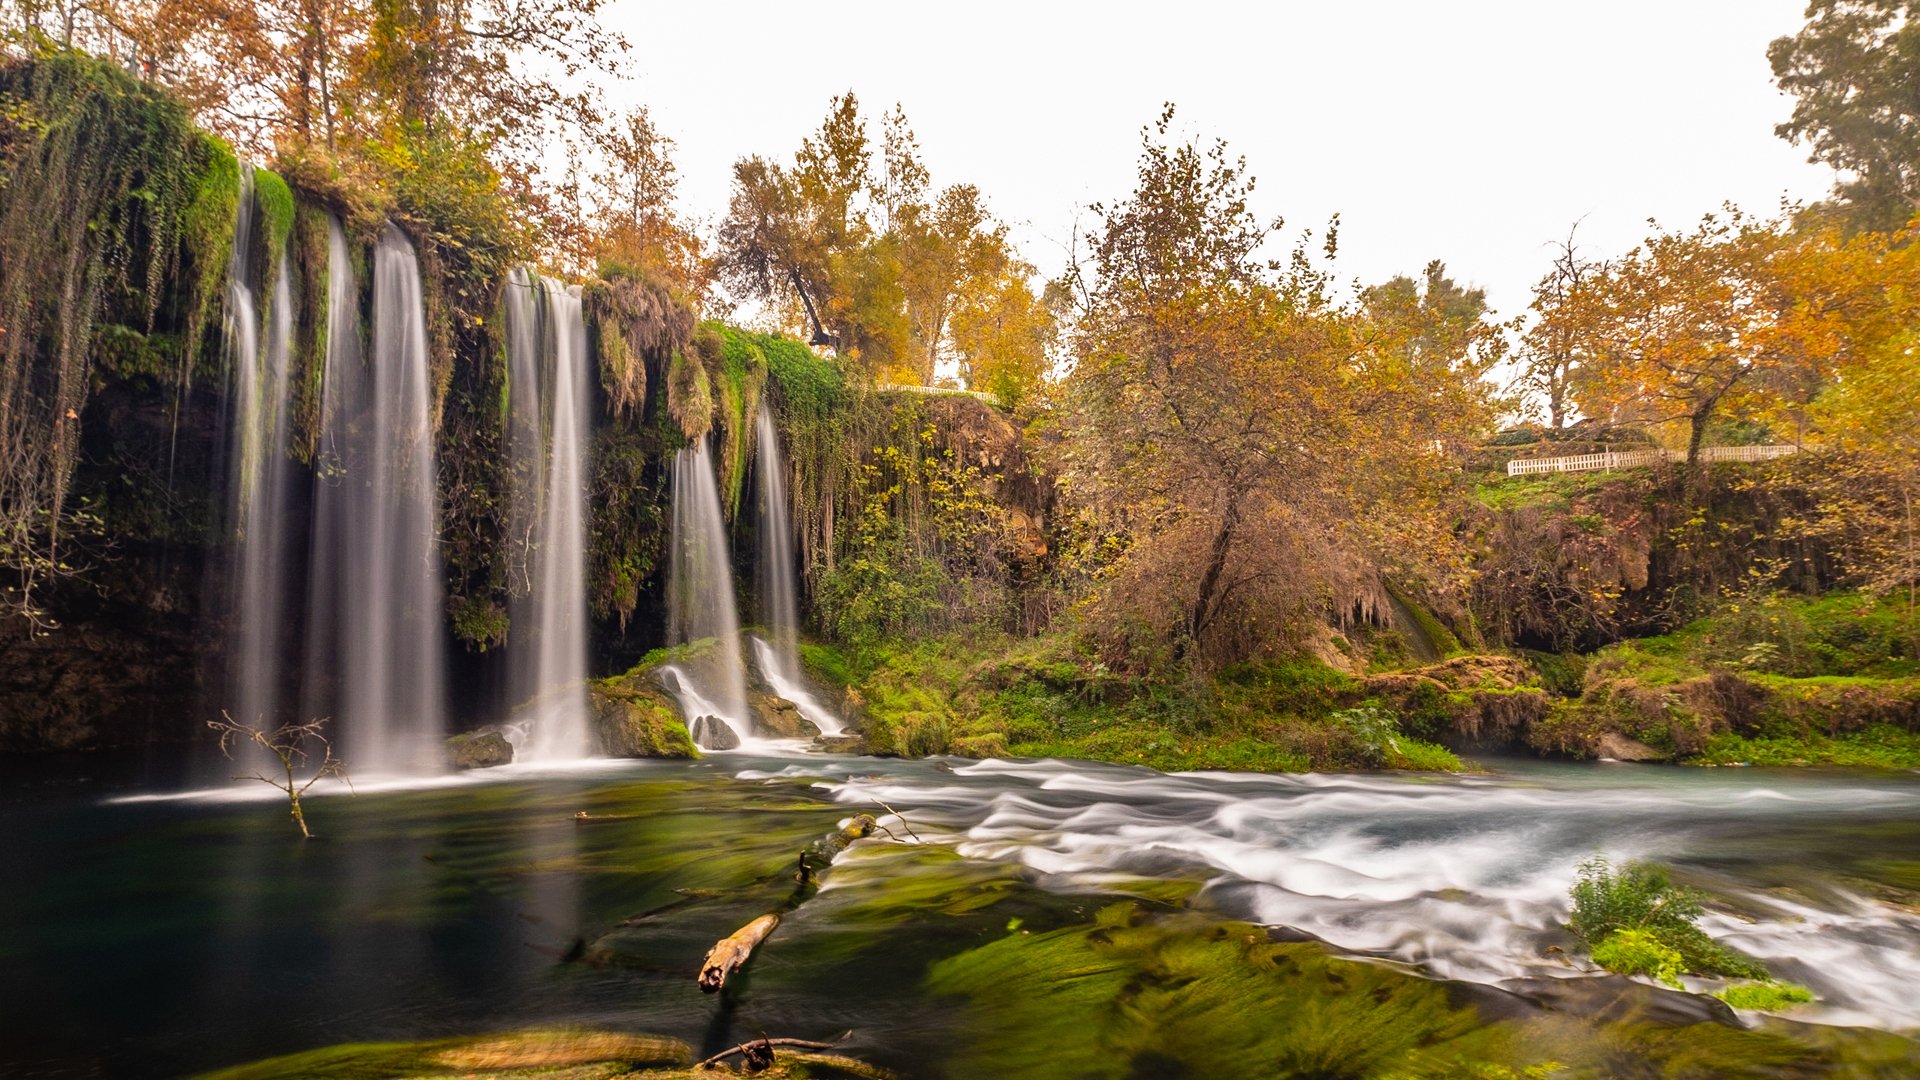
column 733, row 951
column 755, row 1050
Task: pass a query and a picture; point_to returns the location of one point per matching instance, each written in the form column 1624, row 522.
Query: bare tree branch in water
column 288, row 744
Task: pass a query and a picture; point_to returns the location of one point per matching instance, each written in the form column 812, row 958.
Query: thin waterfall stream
column 711, row 680
column 778, row 659
column 549, row 427
column 260, row 477
column 375, row 653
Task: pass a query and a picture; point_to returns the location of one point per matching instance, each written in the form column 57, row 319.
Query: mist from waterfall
column 260, row 478
column 374, row 640
column 547, row 441
column 700, row 602
column 778, row 659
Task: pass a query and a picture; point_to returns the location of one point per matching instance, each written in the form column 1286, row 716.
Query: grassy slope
column 987, row 695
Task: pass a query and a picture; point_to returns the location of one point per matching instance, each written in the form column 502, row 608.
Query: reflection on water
column 158, row 934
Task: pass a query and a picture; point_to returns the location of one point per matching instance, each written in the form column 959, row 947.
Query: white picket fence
column 1624, row 459
column 915, row 388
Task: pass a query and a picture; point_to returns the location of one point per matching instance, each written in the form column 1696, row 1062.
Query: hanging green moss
column 102, row 170
column 689, row 395
column 638, row 323
column 308, row 250
column 740, row 369
column 206, row 242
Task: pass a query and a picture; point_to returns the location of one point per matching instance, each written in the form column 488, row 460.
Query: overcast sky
column 1473, row 132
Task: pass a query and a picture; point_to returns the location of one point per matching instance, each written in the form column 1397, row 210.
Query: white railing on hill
column 916, row 388
column 1624, row 459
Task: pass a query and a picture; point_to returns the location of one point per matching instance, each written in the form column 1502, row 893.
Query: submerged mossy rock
column 482, row 749
column 632, row 718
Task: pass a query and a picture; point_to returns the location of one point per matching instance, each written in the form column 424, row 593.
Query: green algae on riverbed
column 1139, row 993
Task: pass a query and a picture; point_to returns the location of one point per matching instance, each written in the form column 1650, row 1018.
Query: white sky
column 1473, row 132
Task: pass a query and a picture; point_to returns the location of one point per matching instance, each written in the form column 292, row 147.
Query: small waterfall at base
column 376, row 579
column 700, row 603
column 547, row 410
column 779, row 660
column 260, row 479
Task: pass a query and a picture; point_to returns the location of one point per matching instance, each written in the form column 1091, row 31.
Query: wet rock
column 480, row 749
column 713, row 733
column 840, row 744
column 776, row 717
column 631, row 718
column 1618, row 747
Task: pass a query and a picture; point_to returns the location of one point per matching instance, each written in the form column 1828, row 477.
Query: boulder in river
column 778, row 718
column 633, row 719
column 713, row 733
column 480, row 749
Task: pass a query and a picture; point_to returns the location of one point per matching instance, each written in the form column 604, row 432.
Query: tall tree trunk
column 1202, row 612
column 1697, row 433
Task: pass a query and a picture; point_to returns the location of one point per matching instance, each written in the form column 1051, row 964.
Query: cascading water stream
column 376, row 580
column 700, row 604
column 260, row 478
column 779, row 659
column 547, row 407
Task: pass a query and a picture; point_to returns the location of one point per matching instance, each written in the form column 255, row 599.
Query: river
column 156, row 932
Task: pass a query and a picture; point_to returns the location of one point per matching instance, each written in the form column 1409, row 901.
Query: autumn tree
column 1681, row 327
column 637, row 224
column 1865, row 420
column 1740, row 317
column 1004, row 335
column 1261, row 443
column 1855, row 68
column 859, row 241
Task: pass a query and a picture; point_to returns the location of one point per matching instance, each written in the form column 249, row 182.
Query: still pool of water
column 158, row 933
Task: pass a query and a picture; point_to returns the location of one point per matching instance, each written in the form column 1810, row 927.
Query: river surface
column 159, row 933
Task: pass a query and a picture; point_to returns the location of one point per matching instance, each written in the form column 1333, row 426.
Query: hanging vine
column 103, row 170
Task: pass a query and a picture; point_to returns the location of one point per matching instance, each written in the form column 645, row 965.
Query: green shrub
column 1640, row 896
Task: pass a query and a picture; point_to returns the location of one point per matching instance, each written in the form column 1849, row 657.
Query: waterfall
column 376, row 594
column 779, row 659
column 547, row 415
column 700, row 598
column 260, row 479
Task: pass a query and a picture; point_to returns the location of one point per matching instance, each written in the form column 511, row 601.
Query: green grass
column 986, row 694
column 1766, row 996
column 1881, row 747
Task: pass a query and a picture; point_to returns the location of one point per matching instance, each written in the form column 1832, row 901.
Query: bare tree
column 1552, row 350
column 288, row 744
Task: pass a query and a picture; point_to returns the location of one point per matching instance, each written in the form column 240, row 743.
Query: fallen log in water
column 733, row 951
